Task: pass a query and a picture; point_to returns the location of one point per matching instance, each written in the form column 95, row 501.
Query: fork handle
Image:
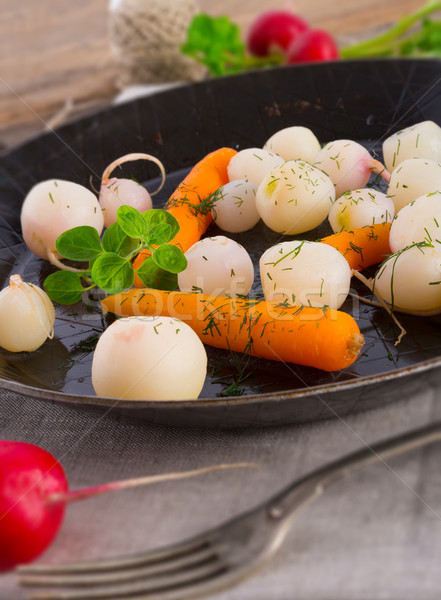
column 303, row 491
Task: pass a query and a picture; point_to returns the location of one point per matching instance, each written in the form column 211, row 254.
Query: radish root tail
column 74, row 495
column 377, row 167
column 369, row 284
column 53, row 259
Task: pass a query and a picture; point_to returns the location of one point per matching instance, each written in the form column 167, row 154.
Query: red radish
column 28, row 520
column 312, row 45
column 274, row 29
column 34, row 493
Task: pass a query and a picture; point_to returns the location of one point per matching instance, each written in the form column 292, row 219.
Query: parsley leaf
column 216, row 42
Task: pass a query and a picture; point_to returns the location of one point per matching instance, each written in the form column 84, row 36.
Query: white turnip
column 360, row 208
column 293, row 143
column 116, row 192
column 149, row 358
column 252, row 164
column 416, row 222
column 234, row 206
column 422, row 140
column 218, row 266
column 413, row 178
column 295, row 197
column 349, row 165
column 410, row 280
column 305, row 273
column 51, row 208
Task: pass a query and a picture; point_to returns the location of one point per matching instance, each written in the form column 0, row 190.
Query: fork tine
column 162, row 586
column 76, row 579
column 120, row 563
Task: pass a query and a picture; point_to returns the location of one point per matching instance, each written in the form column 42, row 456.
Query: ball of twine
column 146, row 36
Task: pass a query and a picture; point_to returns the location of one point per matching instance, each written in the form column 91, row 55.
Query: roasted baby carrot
column 364, row 246
column 323, row 338
column 186, row 202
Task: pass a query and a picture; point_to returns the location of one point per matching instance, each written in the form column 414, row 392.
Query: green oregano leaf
column 112, row 273
column 157, row 217
column 115, row 240
column 153, row 276
column 64, row 287
column 171, row 258
column 131, row 221
column 79, row 243
column 160, row 234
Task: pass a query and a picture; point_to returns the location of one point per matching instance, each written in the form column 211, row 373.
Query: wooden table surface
column 56, row 52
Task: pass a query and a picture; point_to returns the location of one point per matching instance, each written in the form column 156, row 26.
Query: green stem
column 395, row 47
column 369, row 47
column 90, row 287
column 274, row 59
column 141, row 246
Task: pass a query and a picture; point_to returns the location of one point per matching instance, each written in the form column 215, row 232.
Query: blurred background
column 57, row 59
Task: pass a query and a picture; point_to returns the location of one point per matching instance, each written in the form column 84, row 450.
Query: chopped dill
column 357, row 249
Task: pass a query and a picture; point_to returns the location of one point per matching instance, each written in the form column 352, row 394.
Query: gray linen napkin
column 375, row 536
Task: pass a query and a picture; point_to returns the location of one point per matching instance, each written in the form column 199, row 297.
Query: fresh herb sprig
column 109, row 259
column 217, row 43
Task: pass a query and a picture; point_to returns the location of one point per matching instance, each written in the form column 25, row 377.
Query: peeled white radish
column 295, row 142
column 422, row 140
column 116, row 192
column 217, row 266
column 410, row 280
column 413, row 178
column 149, row 358
column 348, row 164
column 305, row 273
column 27, row 316
column 359, row 208
column 252, row 164
column 51, row 208
column 295, row 197
column 418, row 221
column 234, row 207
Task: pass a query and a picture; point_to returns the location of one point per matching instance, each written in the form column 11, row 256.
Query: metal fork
column 218, row 558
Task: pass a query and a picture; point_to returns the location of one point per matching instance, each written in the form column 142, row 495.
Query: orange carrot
column 323, row 338
column 364, row 246
column 185, row 203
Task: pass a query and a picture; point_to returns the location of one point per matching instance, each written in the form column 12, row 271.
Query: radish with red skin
column 28, row 520
column 34, row 493
column 274, row 29
column 312, row 45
